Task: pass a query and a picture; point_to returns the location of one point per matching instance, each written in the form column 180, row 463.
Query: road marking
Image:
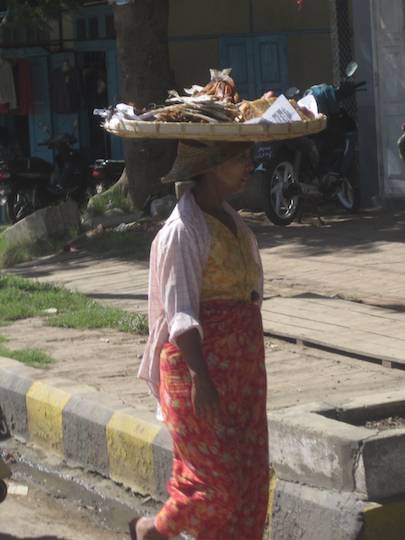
column 130, row 451
column 45, row 406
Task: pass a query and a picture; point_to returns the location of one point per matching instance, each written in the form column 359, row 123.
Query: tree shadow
column 359, row 233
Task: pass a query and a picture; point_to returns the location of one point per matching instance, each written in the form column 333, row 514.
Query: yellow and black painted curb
column 87, row 427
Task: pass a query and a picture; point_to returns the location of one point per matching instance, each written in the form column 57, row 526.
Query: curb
column 88, row 427
column 300, row 512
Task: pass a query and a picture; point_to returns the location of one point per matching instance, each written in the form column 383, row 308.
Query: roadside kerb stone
column 15, row 381
column 130, row 437
column 301, row 512
column 326, row 446
column 46, row 400
column 314, row 450
column 87, row 427
column 85, row 417
column 383, row 460
column 162, row 457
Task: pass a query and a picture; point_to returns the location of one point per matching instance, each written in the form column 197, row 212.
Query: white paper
column 17, row 489
column 281, row 112
column 126, row 111
column 310, row 103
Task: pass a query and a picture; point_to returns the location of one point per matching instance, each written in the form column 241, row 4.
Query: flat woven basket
column 223, row 131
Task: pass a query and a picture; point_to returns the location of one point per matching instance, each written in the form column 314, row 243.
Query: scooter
column 104, row 173
column 5, row 471
column 28, row 185
column 320, row 168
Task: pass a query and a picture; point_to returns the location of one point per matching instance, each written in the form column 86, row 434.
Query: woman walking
column 205, row 355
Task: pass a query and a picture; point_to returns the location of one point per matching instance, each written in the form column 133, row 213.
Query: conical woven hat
column 198, row 157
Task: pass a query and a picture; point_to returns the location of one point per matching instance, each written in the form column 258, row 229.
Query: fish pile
column 215, row 102
column 218, row 101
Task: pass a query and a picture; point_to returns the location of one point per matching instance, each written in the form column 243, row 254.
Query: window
column 93, row 28
column 109, row 27
column 81, row 29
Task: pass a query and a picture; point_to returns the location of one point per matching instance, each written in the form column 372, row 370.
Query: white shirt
column 179, row 254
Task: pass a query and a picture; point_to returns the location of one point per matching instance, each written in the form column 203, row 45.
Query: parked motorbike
column 321, row 167
column 28, row 185
column 104, row 173
column 5, row 472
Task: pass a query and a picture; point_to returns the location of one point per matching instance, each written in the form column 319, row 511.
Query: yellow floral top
column 231, row 272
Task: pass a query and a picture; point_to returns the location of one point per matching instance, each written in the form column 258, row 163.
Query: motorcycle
column 5, row 471
column 319, row 168
column 28, row 185
column 104, row 173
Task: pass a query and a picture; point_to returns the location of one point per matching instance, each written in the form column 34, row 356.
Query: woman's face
column 233, row 174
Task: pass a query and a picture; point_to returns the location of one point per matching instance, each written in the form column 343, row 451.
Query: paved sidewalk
column 315, row 279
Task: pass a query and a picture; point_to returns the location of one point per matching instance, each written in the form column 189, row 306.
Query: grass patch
column 29, row 357
column 112, row 198
column 22, row 298
column 94, row 315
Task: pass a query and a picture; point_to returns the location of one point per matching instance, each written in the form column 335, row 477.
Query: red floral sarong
column 219, row 485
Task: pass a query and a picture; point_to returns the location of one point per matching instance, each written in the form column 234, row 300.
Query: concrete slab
column 383, row 460
column 305, row 513
column 15, row 382
column 85, row 417
column 332, row 449
column 365, row 331
column 314, row 450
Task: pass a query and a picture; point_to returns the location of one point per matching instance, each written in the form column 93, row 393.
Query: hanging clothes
column 7, row 85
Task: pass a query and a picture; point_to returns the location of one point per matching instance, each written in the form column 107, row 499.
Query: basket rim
column 232, row 131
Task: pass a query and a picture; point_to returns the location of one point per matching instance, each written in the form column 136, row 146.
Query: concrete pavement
column 315, row 280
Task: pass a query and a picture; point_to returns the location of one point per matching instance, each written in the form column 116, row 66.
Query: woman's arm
column 204, row 395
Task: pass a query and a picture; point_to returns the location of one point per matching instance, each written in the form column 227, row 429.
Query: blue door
column 237, row 53
column 259, row 62
column 271, row 63
column 41, row 118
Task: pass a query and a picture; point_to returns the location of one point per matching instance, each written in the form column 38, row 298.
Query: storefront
column 269, row 45
column 54, row 88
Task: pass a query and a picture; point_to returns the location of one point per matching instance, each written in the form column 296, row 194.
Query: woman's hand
column 204, row 395
column 205, row 399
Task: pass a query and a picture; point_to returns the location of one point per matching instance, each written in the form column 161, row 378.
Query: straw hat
column 197, row 157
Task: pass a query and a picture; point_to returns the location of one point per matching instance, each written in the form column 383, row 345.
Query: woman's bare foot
column 145, row 530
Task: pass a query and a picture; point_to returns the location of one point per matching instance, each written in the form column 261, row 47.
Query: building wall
column 196, row 28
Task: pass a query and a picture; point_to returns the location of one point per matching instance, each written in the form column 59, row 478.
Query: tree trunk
column 143, row 54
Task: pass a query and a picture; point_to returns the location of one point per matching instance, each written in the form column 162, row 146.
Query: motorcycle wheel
column 348, row 193
column 18, row 206
column 3, row 491
column 280, row 208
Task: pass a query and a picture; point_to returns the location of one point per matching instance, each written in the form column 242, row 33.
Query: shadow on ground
column 360, row 233
column 357, row 233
